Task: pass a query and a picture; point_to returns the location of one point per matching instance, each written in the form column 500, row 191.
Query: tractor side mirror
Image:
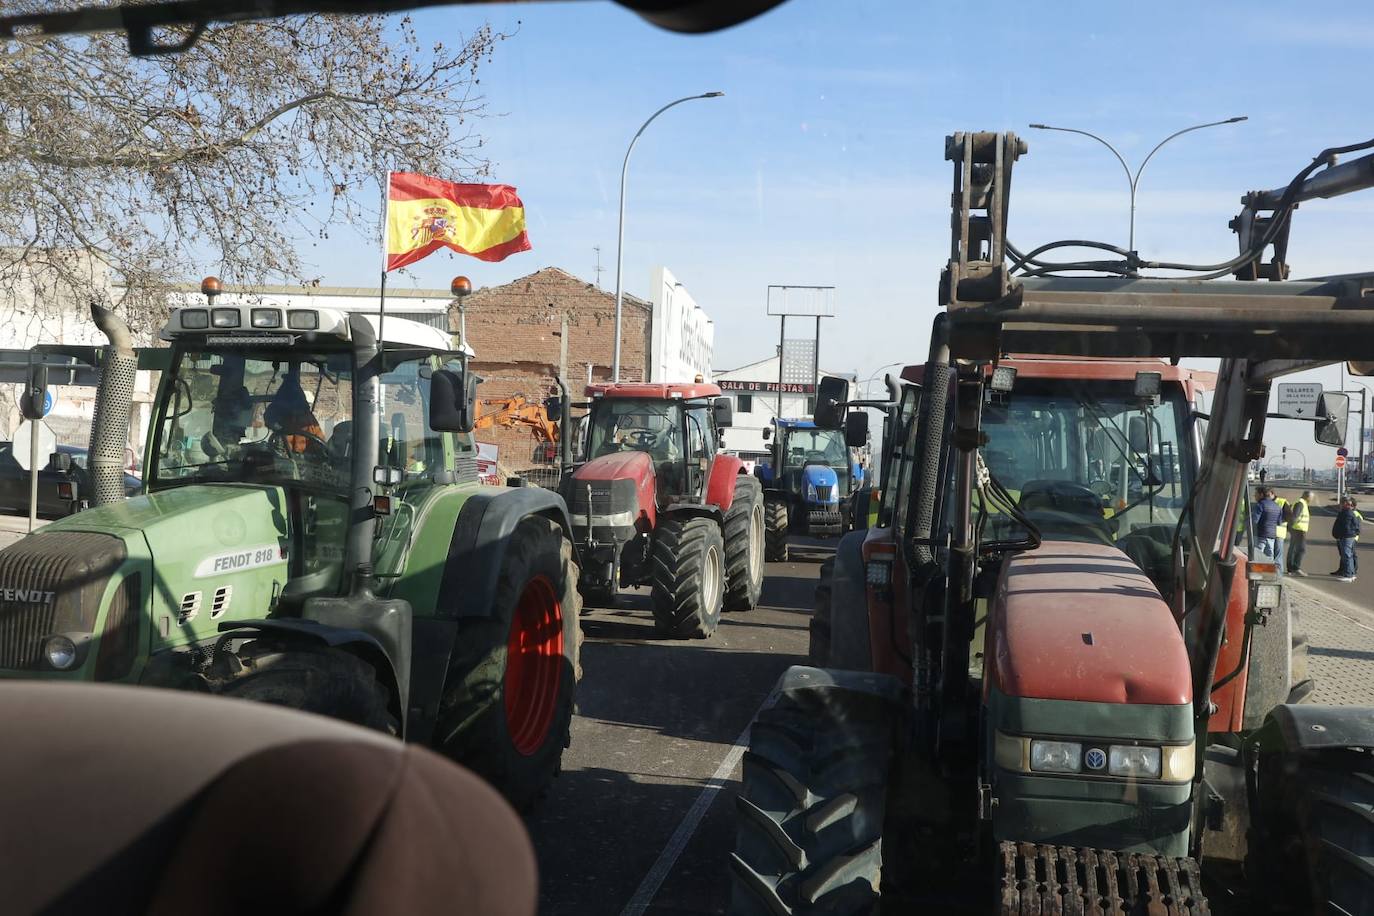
column 553, row 407
column 767, row 433
column 452, row 399
column 830, row 398
column 1136, row 433
column 855, row 429
column 724, row 411
column 35, row 392
column 61, row 461
column 1333, row 414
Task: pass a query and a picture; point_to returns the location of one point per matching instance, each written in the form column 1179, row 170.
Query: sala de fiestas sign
column 770, row 387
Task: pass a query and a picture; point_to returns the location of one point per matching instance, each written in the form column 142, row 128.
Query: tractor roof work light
column 1147, row 384
column 1003, row 378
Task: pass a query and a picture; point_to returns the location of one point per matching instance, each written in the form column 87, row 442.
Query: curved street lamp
column 620, row 237
column 1135, row 179
column 863, row 389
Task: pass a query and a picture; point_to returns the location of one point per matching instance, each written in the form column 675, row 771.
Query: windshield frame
column 167, row 394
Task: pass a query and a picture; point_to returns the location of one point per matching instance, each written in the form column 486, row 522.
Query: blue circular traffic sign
column 49, row 399
column 1343, row 452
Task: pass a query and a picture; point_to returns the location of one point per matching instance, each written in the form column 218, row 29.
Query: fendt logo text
column 26, row 595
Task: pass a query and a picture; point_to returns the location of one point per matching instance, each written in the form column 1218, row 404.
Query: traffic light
column 1285, row 453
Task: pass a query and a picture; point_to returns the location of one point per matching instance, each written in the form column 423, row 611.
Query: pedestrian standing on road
column 1301, row 512
column 1281, row 529
column 1345, row 530
column 1264, row 472
column 1359, row 523
column 1264, row 521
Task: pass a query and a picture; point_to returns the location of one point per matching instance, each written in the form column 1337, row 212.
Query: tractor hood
column 617, row 466
column 1079, row 621
column 622, row 487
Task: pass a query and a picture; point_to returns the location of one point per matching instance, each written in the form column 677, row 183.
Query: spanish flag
column 424, row 214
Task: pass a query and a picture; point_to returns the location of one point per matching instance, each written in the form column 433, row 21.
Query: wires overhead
column 1130, row 264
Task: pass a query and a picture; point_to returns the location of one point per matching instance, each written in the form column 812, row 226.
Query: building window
column 744, row 403
column 811, row 405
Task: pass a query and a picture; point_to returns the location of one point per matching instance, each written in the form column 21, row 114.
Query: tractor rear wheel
column 744, row 537
column 821, row 618
column 688, row 576
column 775, row 529
column 508, row 698
column 1312, row 850
column 809, row 819
column 327, row 682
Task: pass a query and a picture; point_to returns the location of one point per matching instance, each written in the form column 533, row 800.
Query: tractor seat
column 190, row 803
column 341, row 439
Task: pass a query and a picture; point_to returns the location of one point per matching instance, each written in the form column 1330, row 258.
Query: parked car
column 14, row 483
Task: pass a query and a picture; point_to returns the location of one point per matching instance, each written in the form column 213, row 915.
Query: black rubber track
column 775, row 530
column 1315, row 852
column 809, row 818
column 819, row 652
column 682, row 547
column 742, row 589
column 327, row 682
column 472, row 727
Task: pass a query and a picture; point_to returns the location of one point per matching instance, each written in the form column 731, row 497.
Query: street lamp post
column 1363, row 391
column 863, row 389
column 1134, row 179
column 620, row 236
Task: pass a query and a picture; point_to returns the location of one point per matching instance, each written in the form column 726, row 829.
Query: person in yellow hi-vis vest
column 1301, row 514
column 1280, row 530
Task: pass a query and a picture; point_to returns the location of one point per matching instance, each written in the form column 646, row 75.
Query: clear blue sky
column 823, row 164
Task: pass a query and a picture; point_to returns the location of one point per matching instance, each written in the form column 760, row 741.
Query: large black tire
column 818, row 654
column 1313, row 851
column 810, row 816
column 327, row 682
column 744, row 544
column 687, row 576
column 775, row 529
column 510, row 749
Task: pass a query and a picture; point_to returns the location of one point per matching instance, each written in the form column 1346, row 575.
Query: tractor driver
column 291, row 420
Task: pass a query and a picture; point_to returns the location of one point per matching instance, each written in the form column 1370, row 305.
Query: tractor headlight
column 266, row 318
column 303, row 320
column 60, row 652
column 1131, row 760
column 1179, row 762
column 878, row 573
column 225, row 318
column 1056, row 756
column 195, row 319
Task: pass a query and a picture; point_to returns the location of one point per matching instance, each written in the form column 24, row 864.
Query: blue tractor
column 807, row 485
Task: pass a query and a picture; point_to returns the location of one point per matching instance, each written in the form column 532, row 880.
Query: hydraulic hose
column 113, row 402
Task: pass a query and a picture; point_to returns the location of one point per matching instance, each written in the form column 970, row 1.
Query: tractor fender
column 720, row 486
column 1302, row 728
column 851, row 645
column 485, row 525
column 764, row 472
column 365, row 646
column 702, row 510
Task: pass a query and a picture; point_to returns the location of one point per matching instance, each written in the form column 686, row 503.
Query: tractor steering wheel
column 641, row 438
column 315, row 447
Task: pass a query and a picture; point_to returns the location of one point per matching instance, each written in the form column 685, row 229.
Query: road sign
column 1299, row 399
column 1340, row 461
column 20, row 447
column 1343, row 452
column 49, row 400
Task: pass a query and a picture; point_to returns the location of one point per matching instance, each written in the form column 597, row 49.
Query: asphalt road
column 641, row 819
column 1321, row 556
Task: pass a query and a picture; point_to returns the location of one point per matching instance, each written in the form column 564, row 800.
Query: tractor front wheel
column 775, row 530
column 327, row 682
column 508, row 699
column 744, row 540
column 688, row 576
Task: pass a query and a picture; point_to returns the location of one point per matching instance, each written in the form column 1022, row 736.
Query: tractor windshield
column 228, row 416
column 816, row 446
column 624, row 425
column 1087, row 460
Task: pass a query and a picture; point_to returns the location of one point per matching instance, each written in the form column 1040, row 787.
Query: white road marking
column 654, row 878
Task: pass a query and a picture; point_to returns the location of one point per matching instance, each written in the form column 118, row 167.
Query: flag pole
column 386, row 245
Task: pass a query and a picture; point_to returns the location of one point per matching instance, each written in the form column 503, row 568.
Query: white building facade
column 754, row 390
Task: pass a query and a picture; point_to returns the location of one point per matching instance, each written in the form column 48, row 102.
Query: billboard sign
column 681, row 334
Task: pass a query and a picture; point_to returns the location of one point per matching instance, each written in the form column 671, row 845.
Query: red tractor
column 656, row 503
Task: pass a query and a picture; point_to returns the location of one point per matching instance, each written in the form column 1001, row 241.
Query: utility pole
column 597, row 249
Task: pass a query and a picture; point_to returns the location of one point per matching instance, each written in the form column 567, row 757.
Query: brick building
column 543, row 325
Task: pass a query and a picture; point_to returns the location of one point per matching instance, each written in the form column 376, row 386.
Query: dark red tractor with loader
column 657, row 503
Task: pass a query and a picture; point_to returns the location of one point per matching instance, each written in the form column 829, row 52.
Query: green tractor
column 312, row 534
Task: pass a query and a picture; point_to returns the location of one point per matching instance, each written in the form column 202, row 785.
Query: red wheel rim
column 534, row 665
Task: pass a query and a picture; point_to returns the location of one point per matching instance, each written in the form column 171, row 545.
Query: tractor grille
column 823, row 493
column 52, row 583
column 600, row 498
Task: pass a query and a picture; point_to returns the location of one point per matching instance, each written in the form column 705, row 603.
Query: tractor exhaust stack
column 113, row 401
